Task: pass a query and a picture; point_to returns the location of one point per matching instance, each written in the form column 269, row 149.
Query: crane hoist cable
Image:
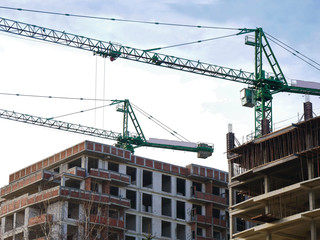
column 294, row 52
column 159, row 123
column 193, row 42
column 118, row 19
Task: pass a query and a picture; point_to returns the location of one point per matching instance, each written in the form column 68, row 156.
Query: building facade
column 274, row 185
column 97, row 191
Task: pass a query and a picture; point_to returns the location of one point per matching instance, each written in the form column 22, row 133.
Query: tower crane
column 258, row 94
column 125, row 140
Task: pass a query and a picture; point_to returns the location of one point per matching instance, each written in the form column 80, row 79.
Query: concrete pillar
column 312, row 203
column 313, row 230
column 268, row 237
column 174, row 186
column 310, row 169
column 84, row 163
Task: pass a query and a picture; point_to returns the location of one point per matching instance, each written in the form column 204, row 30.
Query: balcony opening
column 72, row 183
column 132, row 172
column 93, row 209
column 181, row 187
column 200, row 232
column 181, row 232
column 197, row 186
column 94, row 187
column 73, row 210
column 113, row 235
column 114, row 191
column 240, row 225
column 9, row 223
column 147, row 179
column 74, row 163
column 166, row 207
column 146, row 202
column 181, row 210
column 147, row 225
column 217, row 235
column 132, row 196
column 20, row 219
column 165, row 229
column 114, row 213
column 166, row 183
column 130, row 238
column 93, row 163
column 216, row 191
column 19, row 236
column 131, row 222
column 72, row 232
column 197, row 209
column 216, row 213
column 113, row 166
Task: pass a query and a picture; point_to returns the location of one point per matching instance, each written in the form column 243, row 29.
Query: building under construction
column 97, row 191
column 274, row 183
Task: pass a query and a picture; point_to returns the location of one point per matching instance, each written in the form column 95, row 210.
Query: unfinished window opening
column 113, row 236
column 147, row 179
column 240, row 224
column 113, row 166
column 130, row 238
column 181, row 210
column 197, row 209
column 181, row 187
column 132, row 172
column 20, row 219
column 131, row 222
column 72, row 183
column 93, row 163
column 72, row 232
column 57, row 169
column 132, row 196
column 74, row 163
column 166, row 207
column 217, row 235
column 146, row 225
column 240, row 197
column 181, row 232
column 200, row 232
column 197, row 186
column 166, row 183
column 216, row 191
column 94, row 187
column 146, row 202
column 165, row 229
column 215, row 213
column 73, row 210
column 114, row 191
column 114, row 213
column 8, row 238
column 19, row 236
column 9, row 223
column 93, row 209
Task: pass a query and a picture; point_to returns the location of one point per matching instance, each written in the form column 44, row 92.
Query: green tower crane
column 260, row 88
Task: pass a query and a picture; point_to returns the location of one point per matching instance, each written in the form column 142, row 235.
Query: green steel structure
column 126, row 140
column 260, row 86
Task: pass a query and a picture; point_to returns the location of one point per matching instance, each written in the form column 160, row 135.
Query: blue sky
column 197, row 107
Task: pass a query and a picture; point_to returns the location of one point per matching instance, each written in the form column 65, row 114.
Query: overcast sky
column 197, row 107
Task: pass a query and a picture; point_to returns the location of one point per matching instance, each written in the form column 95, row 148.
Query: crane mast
column 260, row 87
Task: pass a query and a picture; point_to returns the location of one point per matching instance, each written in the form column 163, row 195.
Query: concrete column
column 310, row 169
column 266, row 190
column 174, row 186
column 268, row 237
column 84, row 163
column 313, row 230
column 312, row 203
